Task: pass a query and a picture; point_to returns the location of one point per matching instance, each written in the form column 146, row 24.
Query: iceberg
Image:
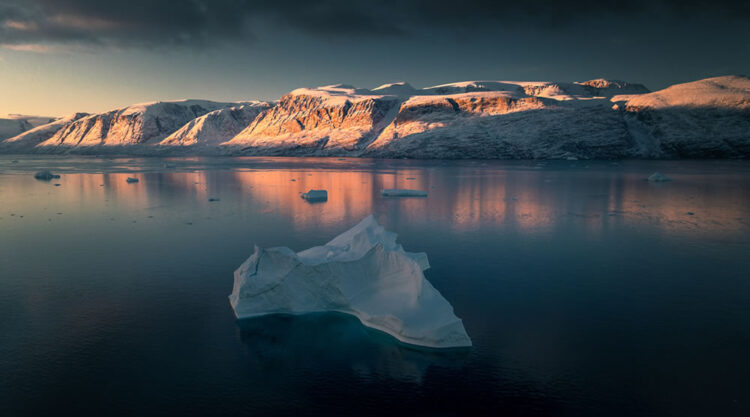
column 316, row 195
column 45, row 176
column 403, row 193
column 658, row 177
column 362, row 272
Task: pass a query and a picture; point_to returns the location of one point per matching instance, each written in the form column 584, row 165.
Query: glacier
column 362, row 272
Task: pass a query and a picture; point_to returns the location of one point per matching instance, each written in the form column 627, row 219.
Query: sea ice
column 362, row 272
column 403, row 193
column 45, row 175
column 658, row 177
column 316, row 195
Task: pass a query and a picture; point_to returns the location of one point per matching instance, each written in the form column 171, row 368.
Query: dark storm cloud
column 202, row 23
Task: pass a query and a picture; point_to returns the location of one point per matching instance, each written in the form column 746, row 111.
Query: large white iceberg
column 362, row 272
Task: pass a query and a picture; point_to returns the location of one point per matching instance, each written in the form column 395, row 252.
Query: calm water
column 586, row 290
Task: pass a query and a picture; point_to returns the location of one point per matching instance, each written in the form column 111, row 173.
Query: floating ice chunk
column 403, row 193
column 658, row 177
column 45, row 176
column 362, row 272
column 316, row 195
column 131, row 180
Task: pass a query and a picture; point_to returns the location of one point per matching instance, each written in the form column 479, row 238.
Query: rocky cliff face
column 332, row 120
column 608, row 88
column 140, row 124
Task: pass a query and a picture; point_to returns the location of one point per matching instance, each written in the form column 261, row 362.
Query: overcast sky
column 62, row 56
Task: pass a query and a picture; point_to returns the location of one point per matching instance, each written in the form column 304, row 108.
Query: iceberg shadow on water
column 331, row 340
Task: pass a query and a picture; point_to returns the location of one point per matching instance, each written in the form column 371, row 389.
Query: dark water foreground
column 586, row 290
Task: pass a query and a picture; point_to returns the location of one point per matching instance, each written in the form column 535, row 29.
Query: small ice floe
column 316, row 195
column 131, row 180
column 400, row 192
column 658, row 177
column 362, row 272
column 212, row 199
column 45, row 176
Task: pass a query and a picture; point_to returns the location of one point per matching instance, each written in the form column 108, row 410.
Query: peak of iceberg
column 362, row 272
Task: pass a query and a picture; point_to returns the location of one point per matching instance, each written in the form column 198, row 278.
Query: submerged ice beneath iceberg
column 362, row 272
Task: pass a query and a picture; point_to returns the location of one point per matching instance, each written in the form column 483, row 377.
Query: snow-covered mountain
column 217, row 126
column 701, row 119
column 335, row 119
column 139, row 124
column 473, row 119
column 13, row 127
column 14, row 124
column 27, row 140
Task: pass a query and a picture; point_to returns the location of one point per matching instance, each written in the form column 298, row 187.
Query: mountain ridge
column 598, row 118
